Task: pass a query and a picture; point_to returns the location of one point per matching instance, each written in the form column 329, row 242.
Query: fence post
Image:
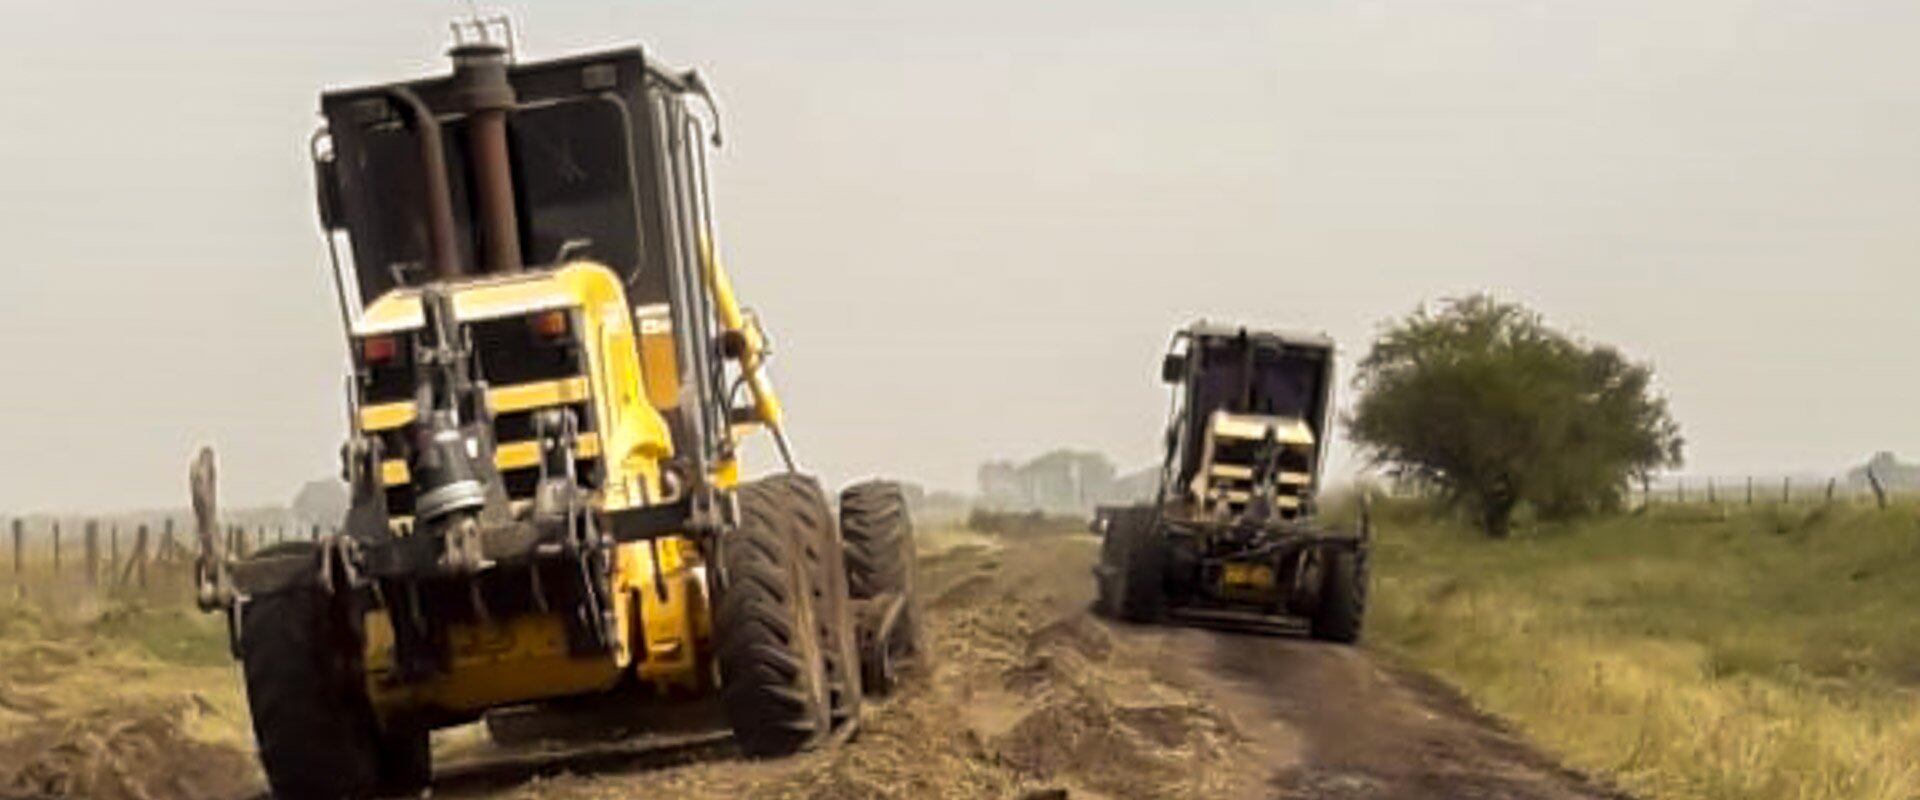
column 113, row 549
column 166, row 538
column 56, row 547
column 1749, row 490
column 1786, row 491
column 19, row 547
column 136, row 568
column 1879, row 490
column 1711, row 499
column 92, row 543
column 1830, row 483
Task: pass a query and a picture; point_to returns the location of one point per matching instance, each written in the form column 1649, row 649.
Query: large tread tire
column 1342, row 606
column 1107, row 574
column 832, row 601
column 878, row 534
column 1141, row 595
column 773, row 683
column 316, row 733
column 405, row 761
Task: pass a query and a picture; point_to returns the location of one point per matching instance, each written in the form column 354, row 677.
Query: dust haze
column 973, row 225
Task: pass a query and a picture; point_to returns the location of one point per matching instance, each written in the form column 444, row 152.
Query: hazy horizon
column 971, row 227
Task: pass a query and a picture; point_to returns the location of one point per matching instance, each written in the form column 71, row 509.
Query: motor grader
column 550, row 381
column 1232, row 537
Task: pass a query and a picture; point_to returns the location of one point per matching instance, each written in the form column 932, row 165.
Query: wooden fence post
column 92, row 552
column 136, row 568
column 19, row 547
column 113, row 549
column 92, row 543
column 1879, row 490
column 1786, row 491
column 1711, row 498
column 56, row 547
column 1749, row 490
column 1830, row 483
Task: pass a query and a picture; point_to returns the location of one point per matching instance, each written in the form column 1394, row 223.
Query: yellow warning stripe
column 502, row 399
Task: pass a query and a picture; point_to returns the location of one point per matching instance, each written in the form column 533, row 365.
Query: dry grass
column 1689, row 652
column 105, row 696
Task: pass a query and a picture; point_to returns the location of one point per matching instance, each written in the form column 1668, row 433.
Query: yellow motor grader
column 1233, row 538
column 550, row 380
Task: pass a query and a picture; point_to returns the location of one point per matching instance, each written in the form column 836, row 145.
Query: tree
column 1481, row 400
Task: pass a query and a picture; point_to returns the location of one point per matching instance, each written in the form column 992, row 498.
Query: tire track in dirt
column 1360, row 728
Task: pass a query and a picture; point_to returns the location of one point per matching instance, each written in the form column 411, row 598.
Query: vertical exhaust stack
column 481, row 88
column 443, row 254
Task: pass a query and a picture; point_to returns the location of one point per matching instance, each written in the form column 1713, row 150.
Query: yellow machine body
column 659, row 600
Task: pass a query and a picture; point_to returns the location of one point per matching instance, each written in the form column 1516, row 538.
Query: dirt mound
column 87, row 711
column 1045, row 700
column 141, row 754
column 1079, row 633
column 1093, row 722
column 1026, row 696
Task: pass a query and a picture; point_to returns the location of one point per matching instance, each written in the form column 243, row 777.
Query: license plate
column 1254, row 575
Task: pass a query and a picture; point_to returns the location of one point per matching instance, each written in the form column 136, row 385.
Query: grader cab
column 1233, row 536
column 550, row 380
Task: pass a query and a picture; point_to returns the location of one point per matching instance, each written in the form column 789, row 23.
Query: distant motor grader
column 1232, row 536
column 550, row 380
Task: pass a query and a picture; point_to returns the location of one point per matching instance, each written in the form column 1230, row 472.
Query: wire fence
column 116, row 553
column 1751, row 490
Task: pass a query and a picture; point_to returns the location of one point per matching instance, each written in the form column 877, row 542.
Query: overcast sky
column 971, row 225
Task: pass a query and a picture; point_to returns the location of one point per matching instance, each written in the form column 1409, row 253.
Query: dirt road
column 1027, row 697
column 1031, row 697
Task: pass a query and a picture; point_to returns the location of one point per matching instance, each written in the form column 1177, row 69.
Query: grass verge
column 1689, row 652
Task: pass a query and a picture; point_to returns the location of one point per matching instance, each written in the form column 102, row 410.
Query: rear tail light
column 376, row 350
column 550, row 324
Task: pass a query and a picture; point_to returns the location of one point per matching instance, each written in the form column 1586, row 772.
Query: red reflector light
column 378, row 349
column 550, row 324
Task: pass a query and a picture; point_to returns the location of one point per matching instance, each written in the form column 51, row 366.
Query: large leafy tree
column 1481, row 400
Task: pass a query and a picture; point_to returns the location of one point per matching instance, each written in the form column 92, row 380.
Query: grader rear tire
column 317, row 736
column 1140, row 573
column 1342, row 605
column 827, row 575
column 773, row 682
column 878, row 533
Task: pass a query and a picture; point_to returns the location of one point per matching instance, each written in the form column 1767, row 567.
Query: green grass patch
column 173, row 635
column 1688, row 652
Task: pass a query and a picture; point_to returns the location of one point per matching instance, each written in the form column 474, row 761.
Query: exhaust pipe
column 442, row 250
column 481, row 88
